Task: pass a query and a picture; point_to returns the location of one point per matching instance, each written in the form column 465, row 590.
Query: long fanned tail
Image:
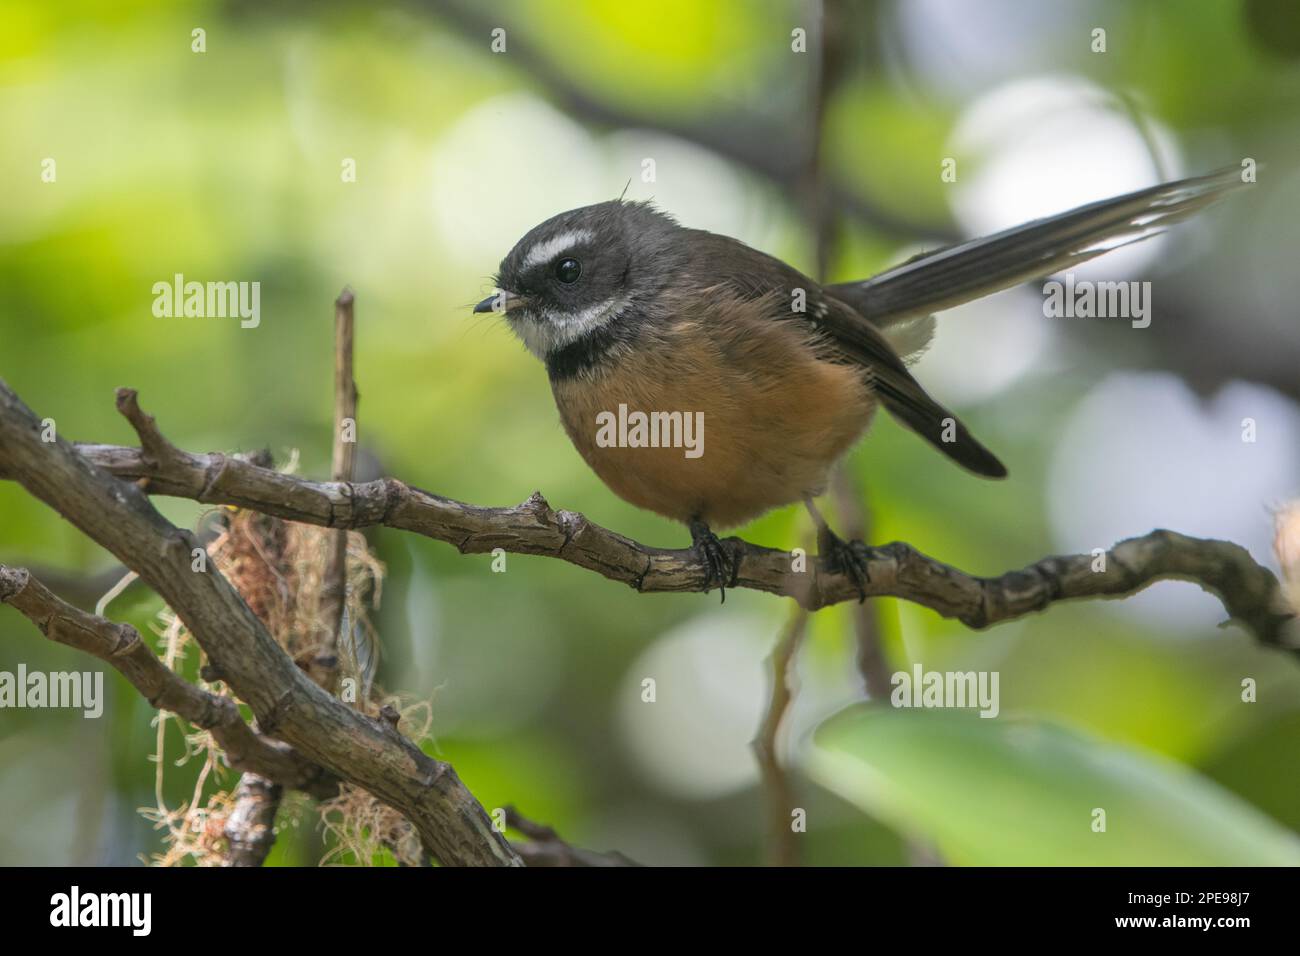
column 970, row 270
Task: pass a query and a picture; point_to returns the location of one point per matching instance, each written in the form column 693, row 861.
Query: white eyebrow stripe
column 546, row 251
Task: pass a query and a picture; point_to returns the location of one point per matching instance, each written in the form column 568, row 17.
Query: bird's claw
column 720, row 564
column 845, row 557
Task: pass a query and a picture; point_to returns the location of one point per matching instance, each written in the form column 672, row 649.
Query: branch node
column 213, row 472
column 391, row 716
column 639, row 581
column 570, row 523
column 538, row 506
column 13, row 581
column 127, row 639
column 395, row 491
column 269, row 723
column 152, row 442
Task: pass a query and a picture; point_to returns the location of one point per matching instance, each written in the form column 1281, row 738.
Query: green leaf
column 1003, row 792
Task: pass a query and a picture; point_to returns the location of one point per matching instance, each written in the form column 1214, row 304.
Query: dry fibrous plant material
column 365, row 831
column 278, row 567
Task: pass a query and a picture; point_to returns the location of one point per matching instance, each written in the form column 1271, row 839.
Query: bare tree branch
column 121, row 647
column 777, row 791
column 328, row 740
column 334, row 595
column 545, row 848
column 268, row 765
column 287, row 704
column 1249, row 592
column 250, row 828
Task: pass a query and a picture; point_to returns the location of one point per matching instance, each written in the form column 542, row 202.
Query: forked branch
column 287, row 704
column 121, row 647
column 1249, row 592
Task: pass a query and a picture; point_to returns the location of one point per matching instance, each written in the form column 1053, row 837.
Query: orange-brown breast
column 776, row 416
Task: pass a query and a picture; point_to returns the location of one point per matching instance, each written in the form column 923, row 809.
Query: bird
column 655, row 335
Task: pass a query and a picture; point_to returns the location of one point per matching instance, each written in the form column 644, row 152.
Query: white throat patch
column 551, row 331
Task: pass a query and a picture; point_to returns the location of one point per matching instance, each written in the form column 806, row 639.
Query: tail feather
column 940, row 427
column 970, row 270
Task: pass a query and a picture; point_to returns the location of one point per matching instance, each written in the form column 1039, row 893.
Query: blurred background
column 231, row 165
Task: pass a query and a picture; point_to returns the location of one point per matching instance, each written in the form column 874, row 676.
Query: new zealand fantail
column 657, row 327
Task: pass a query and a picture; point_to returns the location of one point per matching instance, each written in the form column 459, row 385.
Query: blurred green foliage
column 1015, row 792
column 227, row 165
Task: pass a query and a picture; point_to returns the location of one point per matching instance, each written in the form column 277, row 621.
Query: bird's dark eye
column 568, row 270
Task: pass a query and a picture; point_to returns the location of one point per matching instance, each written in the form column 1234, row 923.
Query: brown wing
column 848, row 336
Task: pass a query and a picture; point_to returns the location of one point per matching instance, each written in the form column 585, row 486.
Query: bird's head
column 581, row 271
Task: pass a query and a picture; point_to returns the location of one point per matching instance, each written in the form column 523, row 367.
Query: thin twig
column 778, row 792
column 334, row 586
column 545, row 847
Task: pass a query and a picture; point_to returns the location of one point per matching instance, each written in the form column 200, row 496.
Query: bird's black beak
column 500, row 301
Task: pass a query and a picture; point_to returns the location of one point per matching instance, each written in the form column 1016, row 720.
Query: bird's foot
column 720, row 564
column 845, row 557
